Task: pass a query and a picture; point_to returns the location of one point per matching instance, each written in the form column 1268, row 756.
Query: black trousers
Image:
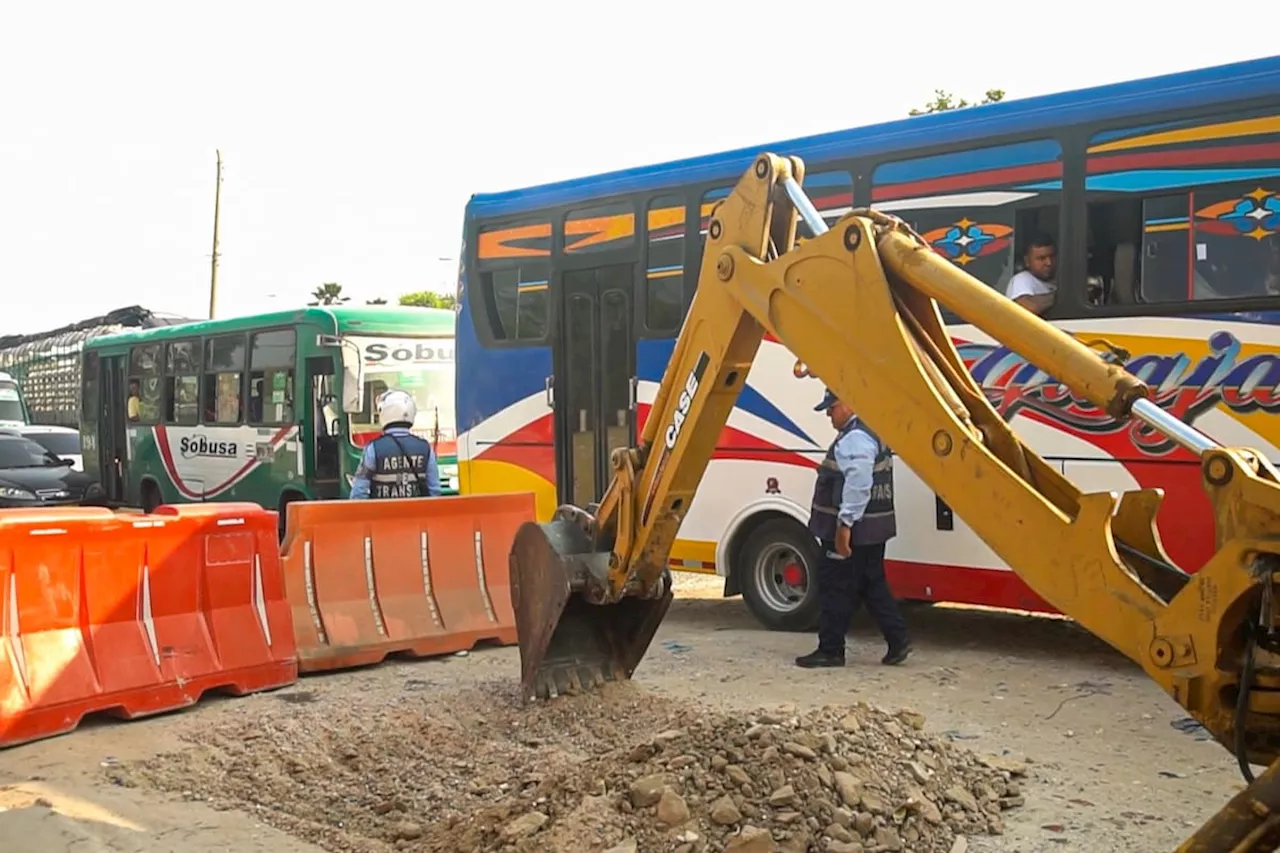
column 843, row 584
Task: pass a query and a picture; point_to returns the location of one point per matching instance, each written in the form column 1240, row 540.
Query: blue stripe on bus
column 1256, row 78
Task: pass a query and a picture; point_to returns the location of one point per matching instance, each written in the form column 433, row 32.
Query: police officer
column 397, row 464
column 852, row 517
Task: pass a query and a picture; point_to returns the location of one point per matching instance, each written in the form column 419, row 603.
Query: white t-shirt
column 1026, row 284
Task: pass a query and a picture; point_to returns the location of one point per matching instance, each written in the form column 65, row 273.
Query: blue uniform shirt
column 368, row 464
column 855, row 453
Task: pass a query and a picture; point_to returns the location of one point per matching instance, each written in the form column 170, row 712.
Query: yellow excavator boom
column 859, row 307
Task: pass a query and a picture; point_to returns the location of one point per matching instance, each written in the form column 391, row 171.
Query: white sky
column 352, row 140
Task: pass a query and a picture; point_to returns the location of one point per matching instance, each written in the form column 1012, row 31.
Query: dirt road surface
column 1111, row 763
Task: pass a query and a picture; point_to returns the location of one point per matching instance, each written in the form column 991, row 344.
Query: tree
column 428, row 299
column 378, row 301
column 328, row 293
column 943, row 101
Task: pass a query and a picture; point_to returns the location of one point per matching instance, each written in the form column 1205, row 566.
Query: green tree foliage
column 428, row 299
column 943, row 101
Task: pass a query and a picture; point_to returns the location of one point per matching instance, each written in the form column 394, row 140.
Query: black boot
column 819, row 658
column 896, row 654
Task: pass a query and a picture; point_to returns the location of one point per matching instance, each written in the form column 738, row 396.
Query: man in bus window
column 1034, row 288
column 135, row 400
column 397, row 464
column 852, row 518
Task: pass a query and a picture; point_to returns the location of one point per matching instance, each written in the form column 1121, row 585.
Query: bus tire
column 151, row 497
column 286, row 498
column 777, row 573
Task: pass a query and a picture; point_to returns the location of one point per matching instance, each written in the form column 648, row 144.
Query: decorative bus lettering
column 198, row 445
column 378, row 353
column 1182, row 385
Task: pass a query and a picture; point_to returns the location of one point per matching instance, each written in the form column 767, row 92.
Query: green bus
column 268, row 409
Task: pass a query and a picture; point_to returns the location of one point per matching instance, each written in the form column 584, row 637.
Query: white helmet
column 396, row 407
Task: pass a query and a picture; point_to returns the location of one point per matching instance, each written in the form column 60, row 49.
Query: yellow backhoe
column 858, row 305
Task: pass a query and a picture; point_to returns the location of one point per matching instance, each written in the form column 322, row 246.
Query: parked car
column 58, row 440
column 32, row 476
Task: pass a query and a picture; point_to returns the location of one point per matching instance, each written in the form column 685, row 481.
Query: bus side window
column 977, row 207
column 223, row 379
column 271, row 360
column 664, row 265
column 142, row 396
column 182, row 383
column 513, row 262
column 1177, row 234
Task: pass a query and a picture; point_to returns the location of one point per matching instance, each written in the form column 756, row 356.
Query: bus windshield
column 11, row 410
column 423, row 369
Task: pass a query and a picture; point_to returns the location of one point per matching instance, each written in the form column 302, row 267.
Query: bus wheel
column 282, row 510
column 777, row 572
column 150, row 496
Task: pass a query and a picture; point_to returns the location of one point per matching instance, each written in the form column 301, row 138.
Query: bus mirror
column 352, row 378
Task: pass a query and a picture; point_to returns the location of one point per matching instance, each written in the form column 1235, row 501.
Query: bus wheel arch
column 772, row 562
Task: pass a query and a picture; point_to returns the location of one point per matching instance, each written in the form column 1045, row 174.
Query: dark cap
column 829, row 399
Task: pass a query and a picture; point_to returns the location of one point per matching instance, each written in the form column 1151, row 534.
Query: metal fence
column 47, row 364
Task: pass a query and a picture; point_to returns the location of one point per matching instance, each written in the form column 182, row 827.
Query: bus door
column 595, row 378
column 325, row 427
column 113, row 438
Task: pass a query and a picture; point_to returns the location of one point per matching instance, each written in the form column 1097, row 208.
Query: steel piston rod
column 1186, row 436
column 805, row 207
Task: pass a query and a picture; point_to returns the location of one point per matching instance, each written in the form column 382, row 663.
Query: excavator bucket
column 567, row 641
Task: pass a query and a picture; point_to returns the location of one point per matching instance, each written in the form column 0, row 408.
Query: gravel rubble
column 616, row 769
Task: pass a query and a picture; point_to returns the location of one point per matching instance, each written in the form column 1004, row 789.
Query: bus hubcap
column 781, row 577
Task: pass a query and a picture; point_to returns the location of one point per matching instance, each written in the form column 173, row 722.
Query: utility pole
column 213, row 271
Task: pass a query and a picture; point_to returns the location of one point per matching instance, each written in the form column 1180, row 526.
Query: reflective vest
column 878, row 523
column 399, row 466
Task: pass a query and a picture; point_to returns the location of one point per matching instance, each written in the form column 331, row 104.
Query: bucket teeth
column 571, row 679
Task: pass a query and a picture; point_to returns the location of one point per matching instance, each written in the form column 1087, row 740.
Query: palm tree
column 329, row 293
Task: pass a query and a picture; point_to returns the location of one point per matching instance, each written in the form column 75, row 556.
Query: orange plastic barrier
column 423, row 577
column 136, row 614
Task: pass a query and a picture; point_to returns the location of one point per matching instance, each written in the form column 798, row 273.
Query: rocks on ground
column 613, row 770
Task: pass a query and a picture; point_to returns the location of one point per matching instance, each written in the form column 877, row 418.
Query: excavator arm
column 858, row 305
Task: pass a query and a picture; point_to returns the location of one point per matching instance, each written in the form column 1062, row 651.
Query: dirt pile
column 612, row 770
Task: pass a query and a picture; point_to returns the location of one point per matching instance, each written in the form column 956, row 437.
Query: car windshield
column 59, row 443
column 23, row 453
column 10, row 403
column 432, row 388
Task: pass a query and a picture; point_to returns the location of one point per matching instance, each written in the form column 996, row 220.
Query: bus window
column 182, row 384
column 600, row 229
column 143, row 395
column 224, row 372
column 271, row 372
column 974, row 205
column 1164, row 225
column 514, row 267
column 664, row 264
